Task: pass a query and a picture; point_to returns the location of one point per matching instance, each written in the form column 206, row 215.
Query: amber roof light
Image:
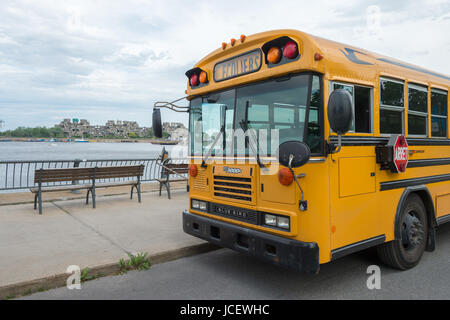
column 274, row 55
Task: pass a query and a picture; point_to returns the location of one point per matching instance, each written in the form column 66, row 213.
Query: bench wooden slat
column 176, row 171
column 172, row 170
column 82, row 186
column 74, row 174
column 116, row 184
column 72, row 171
column 86, row 171
column 62, row 188
column 43, row 177
column 176, row 165
column 171, row 180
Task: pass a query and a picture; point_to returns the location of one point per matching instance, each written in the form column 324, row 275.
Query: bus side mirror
column 340, row 113
column 156, row 123
column 293, row 154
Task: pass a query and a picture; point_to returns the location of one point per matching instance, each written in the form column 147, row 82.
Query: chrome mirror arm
column 303, row 204
column 339, row 146
column 172, row 106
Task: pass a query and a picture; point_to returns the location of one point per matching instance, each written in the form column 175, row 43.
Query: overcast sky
column 107, row 60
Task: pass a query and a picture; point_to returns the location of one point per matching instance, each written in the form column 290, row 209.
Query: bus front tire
column 406, row 252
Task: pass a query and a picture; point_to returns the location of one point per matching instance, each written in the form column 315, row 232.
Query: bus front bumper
column 293, row 254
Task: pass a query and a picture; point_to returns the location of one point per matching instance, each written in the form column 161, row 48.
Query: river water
column 21, row 175
column 25, row 151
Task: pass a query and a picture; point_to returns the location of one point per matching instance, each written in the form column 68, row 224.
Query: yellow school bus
column 363, row 154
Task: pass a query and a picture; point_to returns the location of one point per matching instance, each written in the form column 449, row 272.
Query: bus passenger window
column 362, row 103
column 363, row 108
column 438, row 113
column 391, row 106
column 417, row 110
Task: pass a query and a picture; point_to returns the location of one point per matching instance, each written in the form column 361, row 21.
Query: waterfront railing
column 17, row 175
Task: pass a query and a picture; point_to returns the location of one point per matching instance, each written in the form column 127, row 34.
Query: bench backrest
column 74, row 174
column 173, row 168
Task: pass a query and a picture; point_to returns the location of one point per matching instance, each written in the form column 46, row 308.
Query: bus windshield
column 278, row 107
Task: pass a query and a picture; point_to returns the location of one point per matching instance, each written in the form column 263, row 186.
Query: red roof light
column 290, row 50
column 194, row 80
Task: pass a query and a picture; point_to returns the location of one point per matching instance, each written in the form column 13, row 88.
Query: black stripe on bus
column 357, row 246
column 443, row 219
column 428, row 142
column 390, row 185
column 418, row 69
column 373, row 141
column 428, row 162
column 360, row 140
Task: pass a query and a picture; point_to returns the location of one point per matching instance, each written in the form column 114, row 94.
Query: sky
column 108, row 59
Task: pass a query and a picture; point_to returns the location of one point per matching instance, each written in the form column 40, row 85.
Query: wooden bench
column 49, row 176
column 171, row 169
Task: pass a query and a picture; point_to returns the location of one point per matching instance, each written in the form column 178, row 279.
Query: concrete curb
column 56, row 281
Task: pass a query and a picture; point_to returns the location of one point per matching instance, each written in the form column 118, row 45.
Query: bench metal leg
column 93, row 197
column 138, row 189
column 40, row 201
column 87, row 196
column 131, row 195
column 168, row 189
column 35, row 201
column 160, row 188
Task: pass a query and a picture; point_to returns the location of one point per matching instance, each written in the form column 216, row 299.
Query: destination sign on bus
column 238, row 66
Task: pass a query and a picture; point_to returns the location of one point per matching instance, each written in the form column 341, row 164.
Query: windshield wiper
column 219, row 136
column 255, row 149
column 244, row 126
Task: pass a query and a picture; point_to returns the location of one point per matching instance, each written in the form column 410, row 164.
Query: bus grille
column 237, row 188
column 235, row 213
column 199, row 182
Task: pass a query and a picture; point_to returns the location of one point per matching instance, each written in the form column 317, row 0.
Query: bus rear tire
column 406, row 252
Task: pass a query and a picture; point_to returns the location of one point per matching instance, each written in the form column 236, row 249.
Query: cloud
column 136, row 55
column 113, row 59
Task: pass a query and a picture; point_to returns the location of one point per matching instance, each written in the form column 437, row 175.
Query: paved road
column 225, row 274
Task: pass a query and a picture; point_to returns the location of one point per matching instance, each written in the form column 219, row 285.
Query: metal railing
column 16, row 175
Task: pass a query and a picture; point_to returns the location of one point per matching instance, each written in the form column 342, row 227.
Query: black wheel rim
column 412, row 231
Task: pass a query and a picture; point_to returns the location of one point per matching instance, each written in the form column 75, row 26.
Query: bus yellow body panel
column 350, row 197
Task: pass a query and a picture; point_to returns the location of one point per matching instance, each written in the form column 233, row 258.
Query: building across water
column 118, row 129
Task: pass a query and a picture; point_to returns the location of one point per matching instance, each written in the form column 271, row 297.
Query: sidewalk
column 28, row 197
column 34, row 246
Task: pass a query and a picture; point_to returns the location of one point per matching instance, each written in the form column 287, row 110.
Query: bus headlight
column 199, row 205
column 203, row 205
column 195, row 204
column 281, row 222
column 270, row 220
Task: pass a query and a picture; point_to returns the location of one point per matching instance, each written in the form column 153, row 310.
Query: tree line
column 57, row 132
column 37, row 132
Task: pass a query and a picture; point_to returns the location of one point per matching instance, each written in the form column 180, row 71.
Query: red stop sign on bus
column 400, row 153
